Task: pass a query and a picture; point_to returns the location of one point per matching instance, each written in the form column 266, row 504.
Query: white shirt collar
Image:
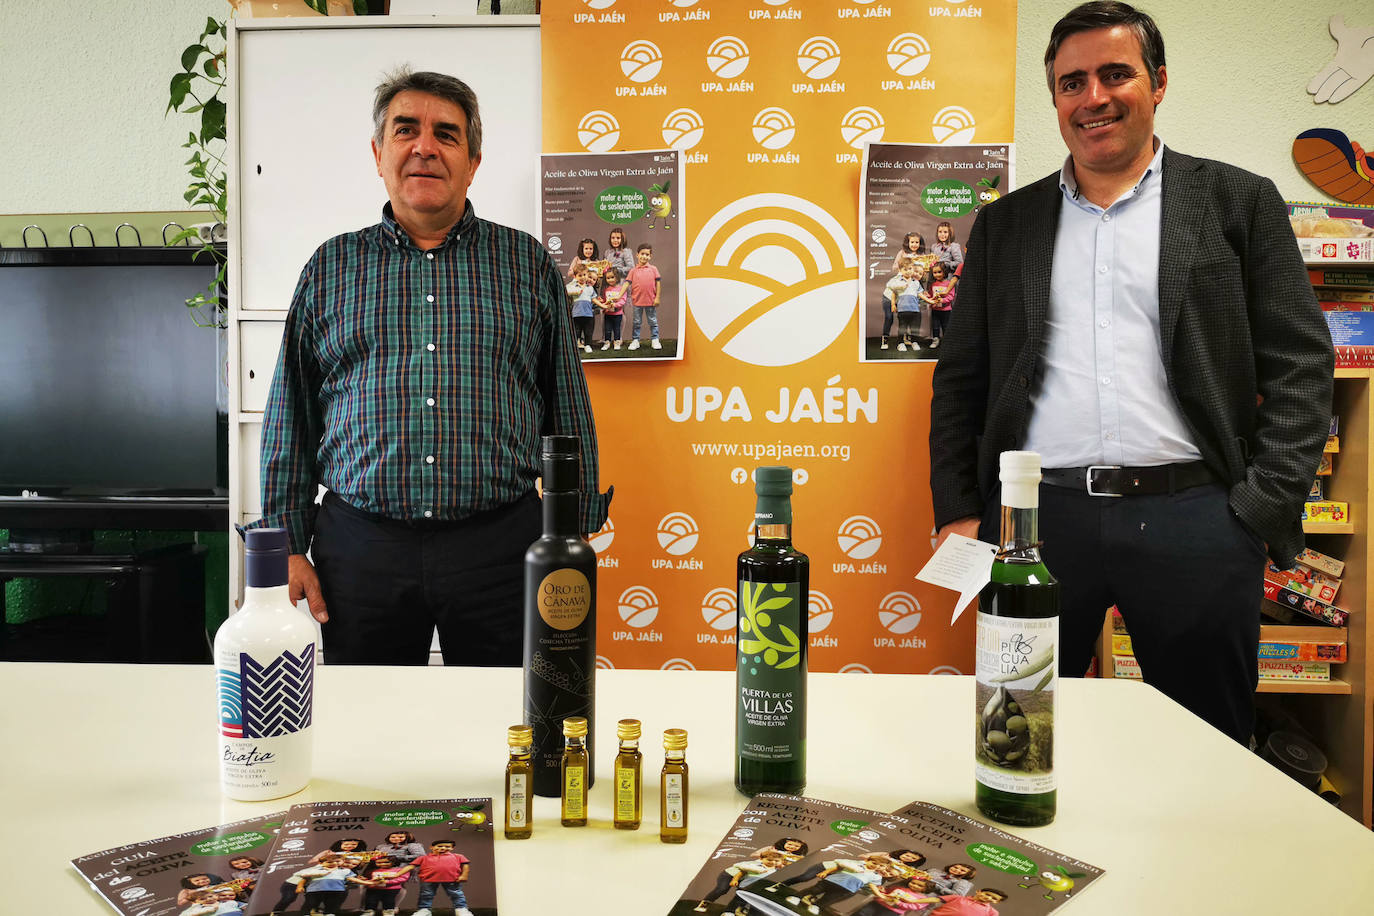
column 1068, row 183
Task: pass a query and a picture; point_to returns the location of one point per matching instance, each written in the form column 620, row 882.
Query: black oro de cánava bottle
column 1017, row 661
column 770, row 673
column 560, row 619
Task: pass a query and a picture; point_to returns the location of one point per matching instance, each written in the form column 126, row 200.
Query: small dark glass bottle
column 560, row 619
column 770, row 674
column 1016, row 662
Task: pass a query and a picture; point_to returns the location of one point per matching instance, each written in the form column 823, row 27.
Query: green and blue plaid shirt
column 417, row 384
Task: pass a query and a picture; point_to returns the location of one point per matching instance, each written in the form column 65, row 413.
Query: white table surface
column 1181, row 819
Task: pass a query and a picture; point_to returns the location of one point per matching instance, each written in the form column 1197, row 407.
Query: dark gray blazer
column 1247, row 352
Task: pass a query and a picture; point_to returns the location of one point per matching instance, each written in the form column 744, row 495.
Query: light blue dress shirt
column 1104, row 397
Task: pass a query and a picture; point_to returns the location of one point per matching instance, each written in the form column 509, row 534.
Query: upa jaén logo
column 602, row 540
column 683, row 129
column 598, row 131
column 818, row 57
column 678, row 533
column 638, row 606
column 641, row 61
column 908, row 54
column 859, row 537
column 899, row 613
column 953, row 126
column 727, row 57
column 774, row 128
column 772, row 279
column 718, row 609
column 820, row 611
column 862, row 125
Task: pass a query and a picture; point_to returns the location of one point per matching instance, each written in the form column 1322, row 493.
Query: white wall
column 85, row 85
column 88, row 134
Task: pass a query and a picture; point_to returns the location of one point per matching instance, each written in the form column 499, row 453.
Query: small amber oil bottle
column 628, row 776
column 518, row 775
column 672, row 810
column 574, row 770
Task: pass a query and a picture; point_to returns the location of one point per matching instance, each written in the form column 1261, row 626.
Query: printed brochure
column 791, row 856
column 204, row 872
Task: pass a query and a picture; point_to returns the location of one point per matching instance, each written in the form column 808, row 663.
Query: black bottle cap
column 562, row 463
column 264, row 557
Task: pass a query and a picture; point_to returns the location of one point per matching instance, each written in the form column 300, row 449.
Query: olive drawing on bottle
column 770, row 674
column 1017, row 661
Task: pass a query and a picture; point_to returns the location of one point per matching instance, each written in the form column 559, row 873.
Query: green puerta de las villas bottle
column 1017, row 660
column 771, row 643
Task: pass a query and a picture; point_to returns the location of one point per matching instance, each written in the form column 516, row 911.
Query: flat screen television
column 112, row 405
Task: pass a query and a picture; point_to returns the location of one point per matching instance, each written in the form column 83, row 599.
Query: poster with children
column 346, row 858
column 826, row 859
column 201, row 873
column 917, row 204
column 613, row 224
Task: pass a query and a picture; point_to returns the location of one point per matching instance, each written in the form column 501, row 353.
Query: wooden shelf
column 1328, row 527
column 1333, row 686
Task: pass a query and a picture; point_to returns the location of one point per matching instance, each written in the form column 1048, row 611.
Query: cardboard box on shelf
column 1318, row 490
column 1321, row 562
column 1126, row 666
column 1294, row 671
column 1301, row 579
column 1332, row 233
column 1121, row 644
column 1305, row 604
column 1326, row 511
column 1324, row 466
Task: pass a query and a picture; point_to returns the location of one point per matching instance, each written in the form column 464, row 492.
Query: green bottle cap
column 773, row 481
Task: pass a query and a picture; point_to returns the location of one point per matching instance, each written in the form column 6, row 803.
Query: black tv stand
column 155, row 603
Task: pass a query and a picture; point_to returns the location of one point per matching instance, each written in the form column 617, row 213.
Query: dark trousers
column 610, row 326
column 888, row 317
column 389, row 584
column 1186, row 575
column 941, row 319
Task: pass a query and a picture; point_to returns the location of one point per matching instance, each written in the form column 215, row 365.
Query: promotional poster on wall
column 613, row 224
column 917, row 204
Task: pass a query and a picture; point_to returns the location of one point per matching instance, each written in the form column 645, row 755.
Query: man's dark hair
column 1103, row 14
column 448, row 88
column 642, row 246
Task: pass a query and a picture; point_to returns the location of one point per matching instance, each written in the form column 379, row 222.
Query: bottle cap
column 575, row 727
column 773, row 481
column 1020, row 466
column 264, row 557
column 675, row 739
column 627, row 730
column 562, row 456
column 520, row 736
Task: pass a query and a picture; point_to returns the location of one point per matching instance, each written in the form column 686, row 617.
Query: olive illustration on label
column 1003, row 729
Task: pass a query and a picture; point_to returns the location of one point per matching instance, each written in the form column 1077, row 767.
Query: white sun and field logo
column 683, row 4
column 677, row 664
column 683, row 129
column 772, row 279
column 818, row 57
column 604, row 537
column 641, row 61
column 944, row 669
column 953, row 126
column 820, row 611
column 774, row 128
column 899, row 613
column 598, row 4
column 598, row 131
column 719, row 609
column 855, row 668
column 908, row 54
column 638, row 606
column 862, row 125
column 859, row 537
column 678, row 533
column 727, row 57
column 604, row 663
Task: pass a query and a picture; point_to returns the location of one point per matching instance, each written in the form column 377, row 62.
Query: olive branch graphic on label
column 754, row 618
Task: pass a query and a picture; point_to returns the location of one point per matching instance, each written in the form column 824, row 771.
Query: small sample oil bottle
column 574, row 770
column 628, row 776
column 672, row 808
column 518, row 772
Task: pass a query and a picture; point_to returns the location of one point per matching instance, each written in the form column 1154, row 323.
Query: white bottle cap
column 1021, row 480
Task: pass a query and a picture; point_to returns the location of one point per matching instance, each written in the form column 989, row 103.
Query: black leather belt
column 1111, row 480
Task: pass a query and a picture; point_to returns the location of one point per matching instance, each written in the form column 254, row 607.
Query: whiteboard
column 301, row 121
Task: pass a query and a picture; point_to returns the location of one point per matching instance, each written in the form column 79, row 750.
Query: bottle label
column 1017, row 663
column 771, row 673
column 574, row 793
column 565, row 598
column 518, row 804
column 264, row 700
column 625, row 793
column 673, row 807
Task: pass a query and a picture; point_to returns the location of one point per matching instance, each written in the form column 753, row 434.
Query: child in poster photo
column 646, row 285
column 903, row 295
column 618, row 252
column 913, row 247
column 328, row 882
column 955, row 879
column 745, row 873
column 192, row 885
column 612, row 305
column 583, row 292
column 940, row 298
column 383, row 879
column 442, row 868
column 946, row 248
column 401, row 846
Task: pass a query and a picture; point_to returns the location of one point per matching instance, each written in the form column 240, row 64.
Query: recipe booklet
column 791, row 856
column 345, row 857
column 198, row 873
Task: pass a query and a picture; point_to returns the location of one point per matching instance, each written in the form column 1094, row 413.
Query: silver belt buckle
column 1088, row 479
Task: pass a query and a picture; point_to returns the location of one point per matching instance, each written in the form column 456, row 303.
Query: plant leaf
column 212, row 27
column 180, row 86
column 359, row 7
column 319, row 6
column 212, row 120
column 211, row 67
column 182, row 235
column 191, row 55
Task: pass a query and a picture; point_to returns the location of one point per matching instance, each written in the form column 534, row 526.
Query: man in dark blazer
column 1144, row 320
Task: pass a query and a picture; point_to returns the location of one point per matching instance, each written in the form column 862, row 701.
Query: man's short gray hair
column 448, row 88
